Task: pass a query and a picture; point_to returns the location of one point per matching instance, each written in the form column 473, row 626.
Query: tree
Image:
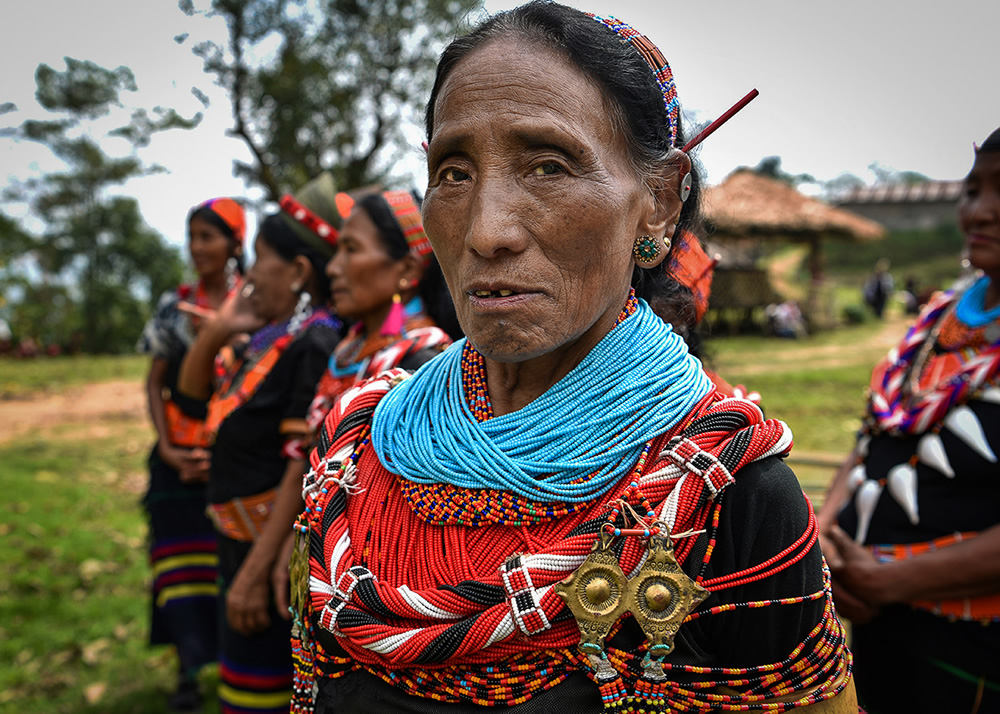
column 346, row 76
column 770, row 166
column 87, row 276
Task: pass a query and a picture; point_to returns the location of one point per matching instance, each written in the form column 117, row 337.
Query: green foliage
column 87, row 278
column 346, row 76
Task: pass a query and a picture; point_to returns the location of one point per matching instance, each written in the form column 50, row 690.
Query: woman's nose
column 495, row 219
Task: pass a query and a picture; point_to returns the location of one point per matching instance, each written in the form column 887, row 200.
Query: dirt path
column 92, row 405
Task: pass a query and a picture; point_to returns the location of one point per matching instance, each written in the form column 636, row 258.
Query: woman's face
column 532, row 206
column 363, row 278
column 210, row 248
column 979, row 213
column 272, row 278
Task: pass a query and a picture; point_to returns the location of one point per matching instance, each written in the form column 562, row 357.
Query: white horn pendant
column 964, row 424
column 855, row 477
column 931, row 451
column 866, row 500
column 991, row 394
column 861, row 449
column 903, row 487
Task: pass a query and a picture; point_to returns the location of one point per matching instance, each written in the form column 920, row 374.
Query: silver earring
column 303, row 309
column 231, row 266
column 686, row 186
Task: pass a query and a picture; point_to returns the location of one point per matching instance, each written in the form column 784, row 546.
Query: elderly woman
column 383, row 275
column 479, row 532
column 256, row 420
column 916, row 555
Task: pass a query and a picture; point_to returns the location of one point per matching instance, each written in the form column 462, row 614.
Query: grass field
column 73, row 572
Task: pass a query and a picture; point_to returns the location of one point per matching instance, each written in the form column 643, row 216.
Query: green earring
column 646, row 249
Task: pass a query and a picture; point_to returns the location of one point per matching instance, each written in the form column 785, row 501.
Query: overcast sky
column 907, row 84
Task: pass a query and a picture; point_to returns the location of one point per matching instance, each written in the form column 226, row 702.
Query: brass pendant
column 661, row 595
column 595, row 594
column 298, row 576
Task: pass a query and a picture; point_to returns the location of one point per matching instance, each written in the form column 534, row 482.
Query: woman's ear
column 411, row 269
column 302, row 273
column 657, row 228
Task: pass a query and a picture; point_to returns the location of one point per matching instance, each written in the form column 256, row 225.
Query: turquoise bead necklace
column 571, row 444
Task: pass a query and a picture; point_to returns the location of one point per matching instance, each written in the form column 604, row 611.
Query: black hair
column 432, row 289
column 213, row 219
column 276, row 232
column 635, row 103
column 992, row 142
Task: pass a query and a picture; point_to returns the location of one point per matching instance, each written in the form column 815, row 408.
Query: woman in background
column 256, row 416
column 912, row 525
column 383, row 275
column 182, row 540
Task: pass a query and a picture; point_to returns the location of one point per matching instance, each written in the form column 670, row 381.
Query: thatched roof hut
column 746, row 204
column 748, row 208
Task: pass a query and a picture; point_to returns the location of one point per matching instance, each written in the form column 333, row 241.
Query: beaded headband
column 229, row 212
column 407, row 215
column 657, row 63
column 310, row 220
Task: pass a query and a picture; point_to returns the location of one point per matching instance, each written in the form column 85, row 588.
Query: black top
column 247, row 456
column 965, row 502
column 763, row 512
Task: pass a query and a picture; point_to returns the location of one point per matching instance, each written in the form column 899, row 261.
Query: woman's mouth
column 492, row 293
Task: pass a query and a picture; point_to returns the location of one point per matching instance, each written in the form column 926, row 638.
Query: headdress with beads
column 407, row 214
column 657, row 63
column 229, row 212
column 314, row 213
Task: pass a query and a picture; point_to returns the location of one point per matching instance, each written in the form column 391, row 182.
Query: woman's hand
column 246, row 603
column 197, row 464
column 857, row 577
column 173, row 456
column 236, row 314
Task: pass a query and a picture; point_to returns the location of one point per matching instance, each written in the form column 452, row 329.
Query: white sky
column 909, row 84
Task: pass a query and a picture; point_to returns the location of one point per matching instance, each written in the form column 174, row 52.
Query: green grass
column 74, row 577
column 20, row 377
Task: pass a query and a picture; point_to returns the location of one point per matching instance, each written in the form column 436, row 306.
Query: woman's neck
column 216, row 288
column 992, row 297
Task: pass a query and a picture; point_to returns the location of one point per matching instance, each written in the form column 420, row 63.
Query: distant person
column 785, row 320
column 182, row 540
column 878, row 288
column 911, row 297
column 257, row 423
column 911, row 523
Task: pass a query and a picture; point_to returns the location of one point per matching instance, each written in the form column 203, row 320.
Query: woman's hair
column 432, row 289
column 635, row 103
column 212, row 218
column 276, row 232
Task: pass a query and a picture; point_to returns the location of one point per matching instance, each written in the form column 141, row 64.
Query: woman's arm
column 967, row 569
column 249, row 594
column 173, row 456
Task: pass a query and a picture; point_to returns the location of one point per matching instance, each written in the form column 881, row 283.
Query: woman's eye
column 548, row 169
column 454, row 174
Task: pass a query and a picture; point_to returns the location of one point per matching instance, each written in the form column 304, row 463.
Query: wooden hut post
column 814, row 261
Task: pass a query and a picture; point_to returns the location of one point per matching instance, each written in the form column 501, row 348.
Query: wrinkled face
column 979, row 213
column 272, row 278
column 210, row 248
column 531, row 205
column 362, row 276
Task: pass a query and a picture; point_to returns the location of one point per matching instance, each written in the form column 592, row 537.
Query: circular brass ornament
column 658, row 597
column 598, row 590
